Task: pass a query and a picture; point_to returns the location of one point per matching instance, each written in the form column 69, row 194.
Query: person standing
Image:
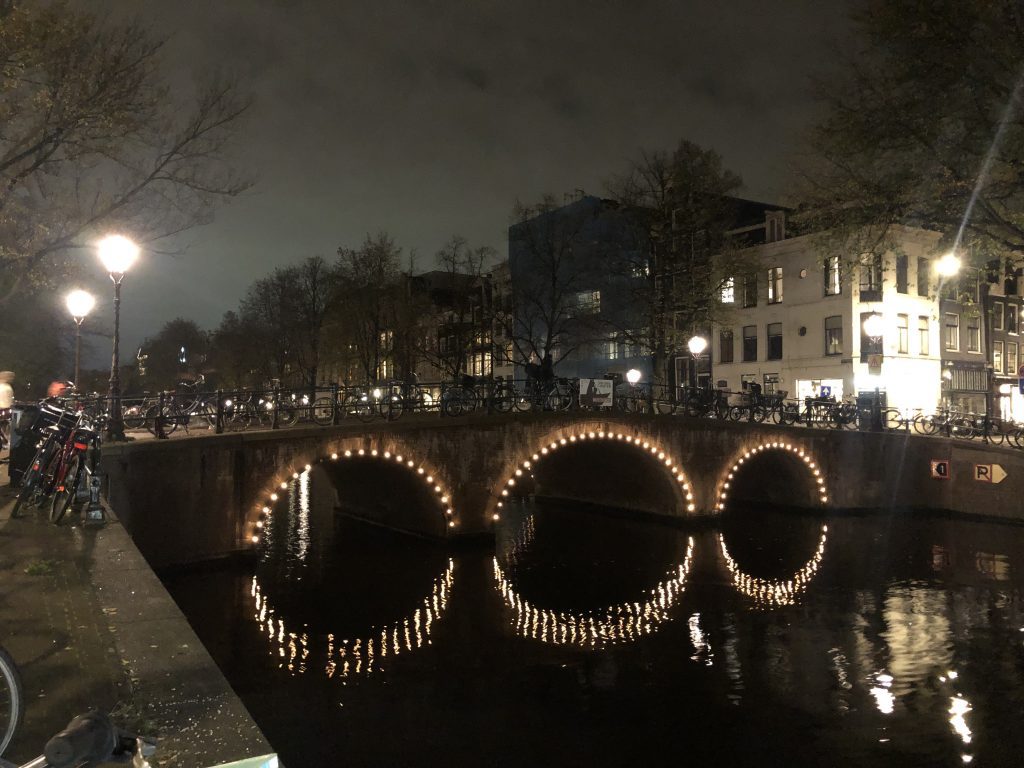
column 6, row 401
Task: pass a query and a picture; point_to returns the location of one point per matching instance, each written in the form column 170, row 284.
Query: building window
column 750, row 291
column 771, row 384
column 834, row 335
column 588, row 302
column 997, row 357
column 973, row 335
column 1011, row 358
column 1011, row 318
column 969, row 288
column 749, row 343
column 612, row 349
column 903, row 334
column 951, row 332
column 775, row 285
column 901, row 273
column 871, row 279
column 923, row 267
column 725, row 346
column 774, row 341
column 997, row 315
column 923, row 341
column 729, row 291
column 833, row 277
column 869, row 345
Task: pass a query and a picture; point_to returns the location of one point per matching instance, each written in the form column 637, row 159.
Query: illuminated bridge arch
column 580, row 434
column 387, row 453
column 813, row 466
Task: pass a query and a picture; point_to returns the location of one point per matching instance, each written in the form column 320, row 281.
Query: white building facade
column 799, row 326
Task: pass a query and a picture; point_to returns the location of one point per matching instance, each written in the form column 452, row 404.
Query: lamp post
column 696, row 345
column 79, row 304
column 117, row 253
column 874, row 328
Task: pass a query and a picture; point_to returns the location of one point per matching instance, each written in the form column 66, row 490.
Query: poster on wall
column 596, row 393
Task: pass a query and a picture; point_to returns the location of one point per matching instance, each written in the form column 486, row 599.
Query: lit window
column 775, row 285
column 951, row 332
column 588, row 302
column 997, row 356
column 834, row 335
column 903, row 334
column 833, row 278
column 729, row 291
column 922, row 335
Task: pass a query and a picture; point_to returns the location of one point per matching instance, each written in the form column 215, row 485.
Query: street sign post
column 989, row 473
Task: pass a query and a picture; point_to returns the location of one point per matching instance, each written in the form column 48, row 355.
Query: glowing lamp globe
column 632, row 375
column 948, row 265
column 79, row 303
column 117, row 253
column 697, row 345
column 874, row 326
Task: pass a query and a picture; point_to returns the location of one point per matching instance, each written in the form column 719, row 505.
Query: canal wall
column 201, row 497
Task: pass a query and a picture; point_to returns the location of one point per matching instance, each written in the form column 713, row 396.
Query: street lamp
column 696, row 345
column 633, row 376
column 117, row 253
column 79, row 304
column 948, row 265
column 874, row 328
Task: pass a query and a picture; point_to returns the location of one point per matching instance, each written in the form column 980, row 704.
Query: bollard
column 218, row 419
column 276, row 394
column 158, row 426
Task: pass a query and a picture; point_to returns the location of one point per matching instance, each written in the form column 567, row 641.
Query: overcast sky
column 427, row 119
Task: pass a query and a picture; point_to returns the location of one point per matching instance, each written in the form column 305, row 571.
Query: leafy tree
column 684, row 207
column 234, row 355
column 924, row 127
column 26, row 321
column 93, row 139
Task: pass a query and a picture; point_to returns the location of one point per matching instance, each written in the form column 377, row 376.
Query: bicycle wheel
column 365, row 408
column 521, row 401
column 287, row 416
column 31, row 480
column 170, row 421
column 501, row 399
column 11, row 699
column 925, row 425
column 64, row 492
column 454, row 401
column 323, row 411
column 392, row 407
column 134, row 416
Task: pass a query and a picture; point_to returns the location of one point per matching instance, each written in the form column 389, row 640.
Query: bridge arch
column 392, row 452
column 581, row 433
column 744, row 455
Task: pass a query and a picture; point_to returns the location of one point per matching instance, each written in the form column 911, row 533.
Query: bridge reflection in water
column 892, row 641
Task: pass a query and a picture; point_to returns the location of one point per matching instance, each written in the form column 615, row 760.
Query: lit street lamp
column 874, row 328
column 948, row 265
column 633, row 376
column 117, row 253
column 79, row 304
column 696, row 345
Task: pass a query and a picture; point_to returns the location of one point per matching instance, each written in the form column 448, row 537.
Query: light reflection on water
column 874, row 641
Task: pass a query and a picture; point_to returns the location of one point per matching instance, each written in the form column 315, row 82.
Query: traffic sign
column 1020, row 386
column 940, row 469
column 989, row 473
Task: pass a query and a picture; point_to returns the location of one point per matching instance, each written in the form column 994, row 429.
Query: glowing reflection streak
column 359, row 655
column 622, row 623
column 303, row 516
column 772, row 593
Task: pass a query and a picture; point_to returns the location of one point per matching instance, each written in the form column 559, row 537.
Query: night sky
column 428, row 119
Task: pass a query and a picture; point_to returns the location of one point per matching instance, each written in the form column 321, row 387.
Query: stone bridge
column 207, row 496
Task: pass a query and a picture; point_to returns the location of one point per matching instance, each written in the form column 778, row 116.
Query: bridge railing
column 223, row 410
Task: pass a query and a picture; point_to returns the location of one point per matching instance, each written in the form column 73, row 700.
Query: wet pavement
column 90, row 626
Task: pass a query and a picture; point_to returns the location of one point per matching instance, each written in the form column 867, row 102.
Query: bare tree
column 93, row 139
column 684, row 207
column 368, row 294
column 548, row 278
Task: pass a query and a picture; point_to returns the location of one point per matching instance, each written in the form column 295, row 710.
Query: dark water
column 772, row 639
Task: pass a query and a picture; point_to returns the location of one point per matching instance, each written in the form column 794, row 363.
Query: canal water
column 770, row 638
